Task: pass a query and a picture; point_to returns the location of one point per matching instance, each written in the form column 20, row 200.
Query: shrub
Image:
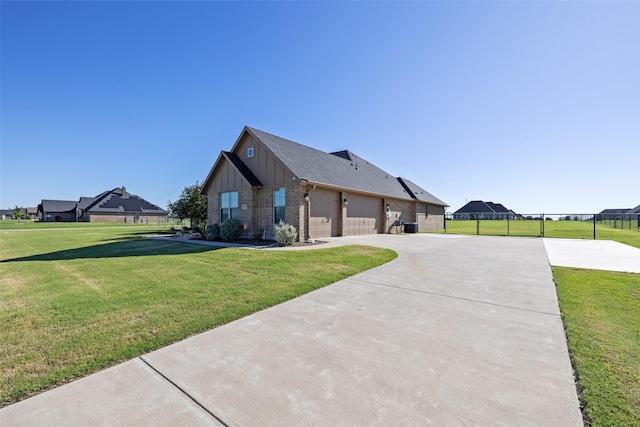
column 286, row 234
column 213, row 232
column 231, row 229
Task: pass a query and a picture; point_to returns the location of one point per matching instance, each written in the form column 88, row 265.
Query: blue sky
column 535, row 105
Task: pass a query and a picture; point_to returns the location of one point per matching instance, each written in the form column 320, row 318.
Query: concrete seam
column 183, row 391
column 458, row 298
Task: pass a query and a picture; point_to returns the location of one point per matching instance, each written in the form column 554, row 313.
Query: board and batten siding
column 264, row 165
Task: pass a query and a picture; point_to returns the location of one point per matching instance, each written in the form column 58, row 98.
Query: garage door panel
column 364, row 216
column 324, row 214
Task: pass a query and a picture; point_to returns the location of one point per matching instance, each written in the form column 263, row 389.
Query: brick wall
column 403, row 210
column 435, row 218
column 127, row 218
column 213, row 206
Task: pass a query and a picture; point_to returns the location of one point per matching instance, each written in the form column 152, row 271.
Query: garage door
column 364, row 215
column 324, row 218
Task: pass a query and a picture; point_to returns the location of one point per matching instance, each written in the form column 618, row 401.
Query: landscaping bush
column 213, row 232
column 231, row 229
column 285, row 234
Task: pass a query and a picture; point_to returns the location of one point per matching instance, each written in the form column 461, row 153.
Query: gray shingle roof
column 58, row 205
column 475, row 206
column 497, row 207
column 478, row 206
column 420, row 193
column 342, row 169
column 615, row 211
column 114, row 201
column 85, row 201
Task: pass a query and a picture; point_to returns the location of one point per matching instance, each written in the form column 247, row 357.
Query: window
column 228, row 205
column 250, row 152
column 278, row 205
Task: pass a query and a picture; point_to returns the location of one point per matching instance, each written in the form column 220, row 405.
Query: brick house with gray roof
column 477, row 209
column 118, row 205
column 265, row 178
column 115, row 205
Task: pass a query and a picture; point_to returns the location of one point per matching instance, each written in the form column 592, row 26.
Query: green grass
column 561, row 229
column 601, row 313
column 14, row 224
column 73, row 302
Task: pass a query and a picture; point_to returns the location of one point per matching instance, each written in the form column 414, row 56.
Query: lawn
column 532, row 228
column 74, row 301
column 601, row 313
column 14, row 224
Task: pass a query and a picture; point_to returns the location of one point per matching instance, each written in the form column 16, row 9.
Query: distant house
column 477, row 209
column 619, row 214
column 264, row 179
column 57, row 211
column 109, row 206
column 32, row 212
column 119, row 206
column 6, row 213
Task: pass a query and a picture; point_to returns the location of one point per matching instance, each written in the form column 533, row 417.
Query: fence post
column 594, row 227
column 477, row 226
column 542, row 225
column 508, row 215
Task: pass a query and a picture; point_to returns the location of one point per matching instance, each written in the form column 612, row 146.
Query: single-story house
column 477, row 209
column 115, row 205
column 264, row 179
column 619, row 214
column 6, row 213
column 118, row 205
column 57, row 211
column 611, row 214
column 32, row 212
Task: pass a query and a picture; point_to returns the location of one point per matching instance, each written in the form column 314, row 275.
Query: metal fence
column 623, row 221
column 580, row 226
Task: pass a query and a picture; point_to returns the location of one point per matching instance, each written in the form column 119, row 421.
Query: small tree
column 191, row 205
column 285, row 234
column 19, row 213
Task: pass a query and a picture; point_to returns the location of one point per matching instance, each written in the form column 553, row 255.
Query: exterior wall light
column 306, row 197
column 345, row 201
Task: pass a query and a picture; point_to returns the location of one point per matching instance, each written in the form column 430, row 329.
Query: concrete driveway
column 459, row 330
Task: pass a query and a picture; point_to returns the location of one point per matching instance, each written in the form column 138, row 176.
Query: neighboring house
column 477, row 209
column 611, row 214
column 119, row 206
column 8, row 213
column 57, row 211
column 265, row 179
column 110, row 206
column 619, row 214
column 32, row 212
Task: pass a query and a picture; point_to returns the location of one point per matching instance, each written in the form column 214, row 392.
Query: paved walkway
column 458, row 330
column 593, row 254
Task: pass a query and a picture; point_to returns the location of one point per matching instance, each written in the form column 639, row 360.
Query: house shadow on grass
column 116, row 249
